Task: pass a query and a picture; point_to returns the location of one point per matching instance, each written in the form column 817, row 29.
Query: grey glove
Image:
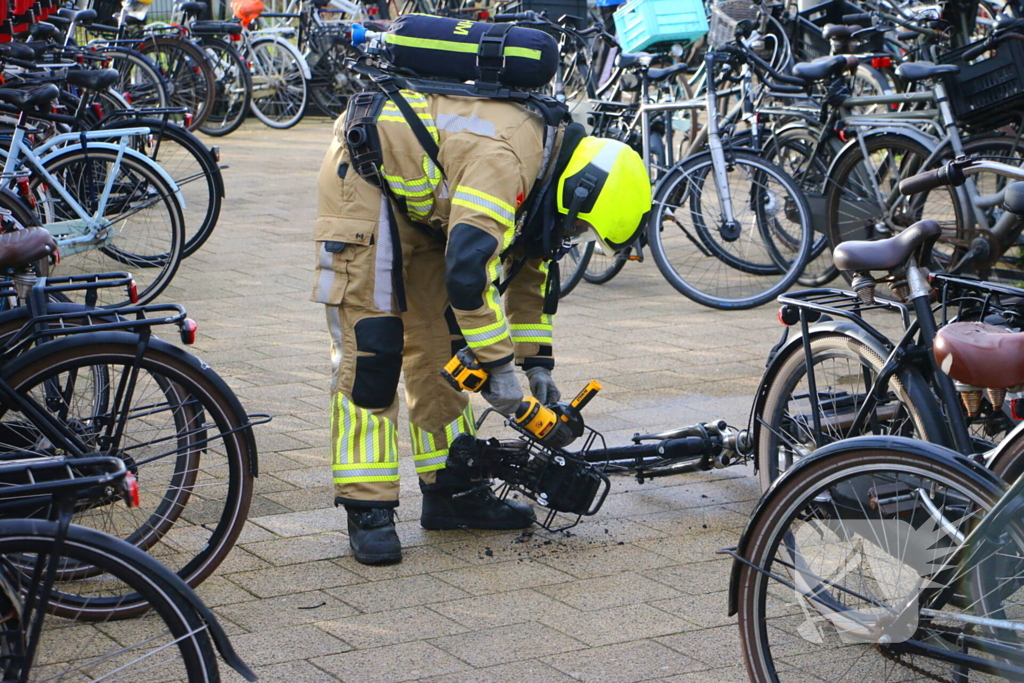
column 542, row 386
column 502, row 389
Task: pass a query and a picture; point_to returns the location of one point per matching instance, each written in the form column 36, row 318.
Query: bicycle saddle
column 824, row 67
column 131, row 20
column 216, row 28
column 22, row 247
column 39, row 48
column 859, row 256
column 44, row 31
column 321, row 3
column 917, row 71
column 192, row 9
column 16, row 51
column 981, row 355
column 93, row 79
column 838, row 31
column 82, row 16
column 30, row 98
column 667, row 72
column 628, row 60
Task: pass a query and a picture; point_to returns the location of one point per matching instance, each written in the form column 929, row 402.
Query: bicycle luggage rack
column 39, row 476
column 837, row 302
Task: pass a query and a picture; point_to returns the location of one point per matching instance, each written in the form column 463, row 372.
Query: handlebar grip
column 950, row 174
column 497, row 18
column 856, row 18
column 977, row 50
column 519, row 16
column 787, row 89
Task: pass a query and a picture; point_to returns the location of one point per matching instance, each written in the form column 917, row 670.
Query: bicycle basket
column 989, row 92
column 725, row 16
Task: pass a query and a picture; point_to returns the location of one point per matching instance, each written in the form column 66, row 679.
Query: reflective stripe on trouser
column 365, row 446
column 430, row 449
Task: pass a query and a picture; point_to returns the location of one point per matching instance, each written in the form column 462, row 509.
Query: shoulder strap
column 386, row 83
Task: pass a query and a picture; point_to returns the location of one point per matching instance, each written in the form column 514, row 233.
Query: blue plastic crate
column 641, row 23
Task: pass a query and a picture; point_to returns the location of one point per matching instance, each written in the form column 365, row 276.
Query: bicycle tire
column 141, row 82
column 602, row 268
column 855, row 211
column 578, row 256
column 790, row 149
column 745, row 289
column 786, row 412
column 332, row 83
column 276, row 71
column 198, row 443
column 233, row 92
column 840, row 483
column 121, row 565
column 193, row 169
column 137, row 185
column 191, row 82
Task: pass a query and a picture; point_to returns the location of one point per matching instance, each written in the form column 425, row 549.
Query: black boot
column 371, row 533
column 476, row 508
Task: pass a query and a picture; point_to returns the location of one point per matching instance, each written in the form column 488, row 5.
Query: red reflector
column 188, row 331
column 372, row 11
column 131, row 490
column 215, row 151
column 235, row 37
column 97, row 109
column 127, row 97
column 881, row 62
column 188, row 120
column 485, row 15
column 843, row 136
column 1017, row 408
column 133, row 292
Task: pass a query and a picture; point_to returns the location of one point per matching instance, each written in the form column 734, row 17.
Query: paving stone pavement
column 635, row 593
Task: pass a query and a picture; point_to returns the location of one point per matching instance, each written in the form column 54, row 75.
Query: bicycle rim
column 179, row 439
column 168, row 643
column 278, row 86
column 142, row 214
column 866, row 539
column 730, row 266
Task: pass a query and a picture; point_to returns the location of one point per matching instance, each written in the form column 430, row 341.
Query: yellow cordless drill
column 557, row 425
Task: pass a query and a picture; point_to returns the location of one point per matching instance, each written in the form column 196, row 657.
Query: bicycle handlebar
column 989, row 43
column 955, row 173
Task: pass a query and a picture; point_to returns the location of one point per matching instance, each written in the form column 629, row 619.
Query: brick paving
column 634, row 593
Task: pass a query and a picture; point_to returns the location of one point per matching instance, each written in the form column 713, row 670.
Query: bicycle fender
column 138, row 156
column 1005, row 447
column 127, row 338
column 929, row 142
column 840, row 450
column 844, row 327
column 303, row 64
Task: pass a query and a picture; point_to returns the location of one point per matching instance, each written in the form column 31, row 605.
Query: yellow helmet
column 606, row 185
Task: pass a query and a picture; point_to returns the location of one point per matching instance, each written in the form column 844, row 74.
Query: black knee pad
column 465, row 263
column 377, row 374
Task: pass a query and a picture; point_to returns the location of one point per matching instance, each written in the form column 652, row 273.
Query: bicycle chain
column 913, row 667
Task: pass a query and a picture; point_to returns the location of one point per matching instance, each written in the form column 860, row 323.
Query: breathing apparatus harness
column 543, row 230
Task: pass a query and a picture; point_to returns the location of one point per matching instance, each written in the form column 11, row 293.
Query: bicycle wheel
column 142, row 227
column 193, row 169
column 171, row 638
column 333, row 83
column 141, row 82
column 278, row 87
column 575, row 263
column 864, row 537
column 603, row 267
column 844, row 369
column 863, row 201
column 233, row 93
column 723, row 265
column 183, row 438
column 190, row 80
column 794, row 151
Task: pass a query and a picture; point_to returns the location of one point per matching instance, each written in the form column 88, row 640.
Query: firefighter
column 409, row 258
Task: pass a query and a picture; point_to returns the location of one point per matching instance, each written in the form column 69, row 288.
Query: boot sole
column 450, row 523
column 381, row 558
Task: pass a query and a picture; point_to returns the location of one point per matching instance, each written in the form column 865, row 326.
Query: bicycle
column 77, row 381
column 88, row 191
column 46, row 633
